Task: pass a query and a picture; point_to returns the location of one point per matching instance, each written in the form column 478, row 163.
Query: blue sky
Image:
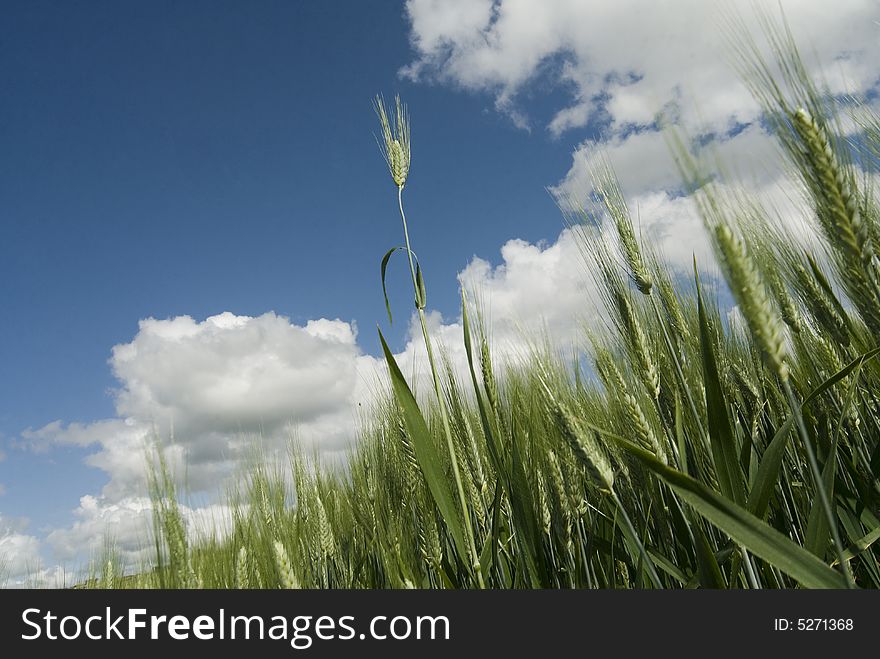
column 176, row 161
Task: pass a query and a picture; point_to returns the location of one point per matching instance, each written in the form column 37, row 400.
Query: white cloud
column 536, row 288
column 18, row 551
column 440, row 24
column 126, row 526
column 234, row 372
column 644, row 162
column 628, row 56
column 621, row 63
column 213, row 391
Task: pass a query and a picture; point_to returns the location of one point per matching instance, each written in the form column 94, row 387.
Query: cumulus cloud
column 230, row 372
column 126, row 526
column 627, row 58
column 620, row 64
column 537, row 288
column 212, row 390
column 18, row 550
column 644, row 163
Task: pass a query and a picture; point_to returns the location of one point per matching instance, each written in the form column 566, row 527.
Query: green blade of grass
column 426, row 452
column 421, row 294
column 817, row 527
column 816, row 535
column 490, row 547
column 385, row 260
column 510, row 472
column 768, row 471
column 746, row 529
column 668, row 567
column 524, row 518
column 708, row 570
column 721, row 437
column 860, row 545
column 759, row 538
column 491, row 443
column 840, row 375
column 681, row 438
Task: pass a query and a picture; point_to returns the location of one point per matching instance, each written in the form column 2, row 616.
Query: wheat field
column 682, row 451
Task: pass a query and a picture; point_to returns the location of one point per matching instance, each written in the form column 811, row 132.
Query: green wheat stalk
column 396, row 148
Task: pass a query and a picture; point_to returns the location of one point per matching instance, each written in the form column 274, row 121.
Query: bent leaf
column 384, row 267
column 746, row 529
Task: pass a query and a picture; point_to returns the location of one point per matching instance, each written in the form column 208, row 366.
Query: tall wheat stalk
column 396, row 148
